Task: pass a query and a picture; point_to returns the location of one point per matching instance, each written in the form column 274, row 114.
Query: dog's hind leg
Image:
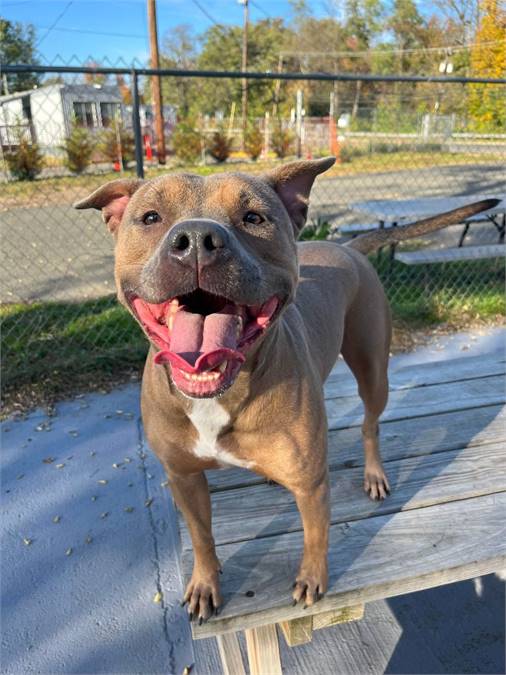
column 365, row 349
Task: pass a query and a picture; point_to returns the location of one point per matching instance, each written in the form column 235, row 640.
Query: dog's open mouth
column 204, row 337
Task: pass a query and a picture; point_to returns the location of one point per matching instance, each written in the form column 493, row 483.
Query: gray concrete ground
column 89, row 545
column 57, row 253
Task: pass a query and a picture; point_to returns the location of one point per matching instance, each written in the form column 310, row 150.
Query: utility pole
column 156, row 92
column 244, row 68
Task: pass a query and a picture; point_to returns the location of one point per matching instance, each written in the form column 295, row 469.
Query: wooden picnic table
column 392, row 212
column 443, row 439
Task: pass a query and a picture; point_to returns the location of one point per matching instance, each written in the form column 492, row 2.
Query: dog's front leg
column 314, row 507
column 202, row 594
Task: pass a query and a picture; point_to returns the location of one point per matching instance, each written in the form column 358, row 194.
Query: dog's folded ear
column 112, row 199
column 293, row 183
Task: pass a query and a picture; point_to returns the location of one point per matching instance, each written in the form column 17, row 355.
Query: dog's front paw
column 311, row 583
column 376, row 482
column 202, row 595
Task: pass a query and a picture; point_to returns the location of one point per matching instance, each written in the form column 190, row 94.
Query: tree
column 488, row 59
column 17, row 45
column 179, row 51
column 409, row 30
column 362, row 25
column 464, row 15
column 221, row 50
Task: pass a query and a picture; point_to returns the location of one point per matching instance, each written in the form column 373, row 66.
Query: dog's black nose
column 198, row 240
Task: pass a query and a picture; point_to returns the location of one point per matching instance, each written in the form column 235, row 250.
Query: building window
column 109, row 112
column 83, row 113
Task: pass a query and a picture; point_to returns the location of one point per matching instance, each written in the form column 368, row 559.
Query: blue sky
column 126, row 17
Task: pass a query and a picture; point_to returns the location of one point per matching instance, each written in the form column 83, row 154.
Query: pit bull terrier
column 244, row 326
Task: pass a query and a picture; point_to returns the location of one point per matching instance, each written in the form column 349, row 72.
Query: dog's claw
column 201, row 621
column 190, row 616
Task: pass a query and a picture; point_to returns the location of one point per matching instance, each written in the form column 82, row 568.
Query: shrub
column 219, row 146
column 282, row 140
column 315, row 231
column 253, row 141
column 187, row 142
column 25, row 161
column 348, row 152
column 78, row 146
column 108, row 145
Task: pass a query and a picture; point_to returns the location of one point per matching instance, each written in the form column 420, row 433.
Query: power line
column 205, row 12
column 260, row 8
column 93, row 32
column 60, row 16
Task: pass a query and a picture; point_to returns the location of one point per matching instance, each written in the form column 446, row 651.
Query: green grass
column 51, row 350
column 457, row 293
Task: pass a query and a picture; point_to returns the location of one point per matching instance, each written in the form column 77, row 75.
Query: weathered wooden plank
column 416, row 482
column 403, row 438
column 420, row 401
column 297, row 631
column 342, row 383
column 230, row 654
column 263, row 650
column 369, row 559
column 336, row 616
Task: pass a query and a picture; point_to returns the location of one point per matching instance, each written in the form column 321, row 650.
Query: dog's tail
column 366, row 243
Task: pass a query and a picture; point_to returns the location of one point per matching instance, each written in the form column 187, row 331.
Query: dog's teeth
column 222, row 367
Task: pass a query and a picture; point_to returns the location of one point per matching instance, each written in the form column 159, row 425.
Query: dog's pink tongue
column 199, row 343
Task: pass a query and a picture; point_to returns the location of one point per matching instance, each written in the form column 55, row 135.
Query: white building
column 46, row 114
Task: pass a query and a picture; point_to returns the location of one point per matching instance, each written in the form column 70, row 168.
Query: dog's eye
column 253, row 218
column 151, row 217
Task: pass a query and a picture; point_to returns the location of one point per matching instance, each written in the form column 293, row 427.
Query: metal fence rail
column 397, row 138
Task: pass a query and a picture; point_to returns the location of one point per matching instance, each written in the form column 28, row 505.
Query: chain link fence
column 406, row 148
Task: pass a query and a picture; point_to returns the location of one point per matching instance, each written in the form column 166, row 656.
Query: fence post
column 136, row 121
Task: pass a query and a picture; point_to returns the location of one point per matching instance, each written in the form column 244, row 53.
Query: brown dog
column 245, row 325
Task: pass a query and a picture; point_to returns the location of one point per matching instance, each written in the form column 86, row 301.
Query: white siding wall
column 47, row 116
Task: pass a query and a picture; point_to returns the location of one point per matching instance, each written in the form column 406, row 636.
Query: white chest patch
column 209, row 417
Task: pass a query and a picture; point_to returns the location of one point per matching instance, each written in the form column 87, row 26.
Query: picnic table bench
column 442, row 437
column 444, row 255
column 394, row 212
